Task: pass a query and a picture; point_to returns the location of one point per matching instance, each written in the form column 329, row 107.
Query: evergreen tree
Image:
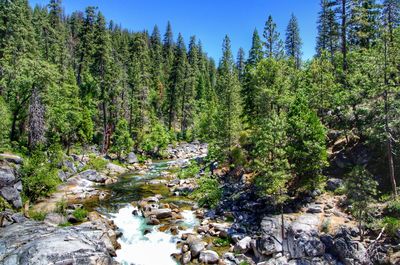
column 229, row 110
column 157, row 74
column 391, row 16
column 5, row 125
column 328, row 29
column 293, row 41
column 256, row 52
column 272, row 43
column 363, row 23
column 121, row 140
column 241, row 63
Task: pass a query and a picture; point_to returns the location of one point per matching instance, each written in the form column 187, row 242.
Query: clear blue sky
column 209, row 20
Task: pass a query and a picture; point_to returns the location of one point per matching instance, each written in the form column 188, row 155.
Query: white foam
column 154, row 248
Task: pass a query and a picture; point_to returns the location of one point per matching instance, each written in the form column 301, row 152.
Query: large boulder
column 243, row 246
column 270, row 241
column 208, row 257
column 93, row 175
column 132, row 158
column 40, row 244
column 10, row 186
column 114, row 169
column 11, row 159
column 303, row 238
column 333, row 184
column 161, row 213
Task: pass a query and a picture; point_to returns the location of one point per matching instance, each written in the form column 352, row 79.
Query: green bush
column 208, row 193
column 156, row 141
column 393, row 208
column 392, row 225
column 189, row 172
column 39, row 177
column 38, row 216
column 96, row 163
column 66, row 224
column 4, row 204
column 61, row 206
column 222, row 242
column 80, row 214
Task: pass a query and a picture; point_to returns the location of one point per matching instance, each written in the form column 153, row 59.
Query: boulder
column 161, row 213
column 40, row 244
column 11, row 159
column 11, row 195
column 7, row 176
column 186, row 257
column 93, row 175
column 243, row 246
column 208, row 257
column 55, row 219
column 195, row 244
column 132, row 158
column 333, row 184
column 114, row 169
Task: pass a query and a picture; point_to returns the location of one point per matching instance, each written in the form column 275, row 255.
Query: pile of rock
column 195, row 249
column 187, row 150
column 10, row 182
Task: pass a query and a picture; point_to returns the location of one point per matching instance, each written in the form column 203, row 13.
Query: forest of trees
column 72, row 81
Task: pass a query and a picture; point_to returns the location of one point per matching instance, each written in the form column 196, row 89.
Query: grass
column 392, row 225
column 66, row 224
column 222, row 242
column 80, row 214
column 189, row 172
column 96, row 163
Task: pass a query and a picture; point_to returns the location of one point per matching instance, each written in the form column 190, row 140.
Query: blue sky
column 209, row 20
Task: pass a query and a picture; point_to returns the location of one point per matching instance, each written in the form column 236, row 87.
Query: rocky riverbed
column 140, row 215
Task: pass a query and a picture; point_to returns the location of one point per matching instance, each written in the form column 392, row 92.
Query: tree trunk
column 344, row 32
column 36, row 120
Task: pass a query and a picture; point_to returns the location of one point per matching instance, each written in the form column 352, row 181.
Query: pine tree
column 391, row 16
column 363, row 25
column 256, row 52
column 157, row 74
column 177, row 82
column 241, row 64
column 293, row 41
column 121, row 140
column 229, row 101
column 328, row 29
column 272, row 43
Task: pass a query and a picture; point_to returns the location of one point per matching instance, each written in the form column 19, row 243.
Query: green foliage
column 122, row 141
column 4, row 204
column 391, row 224
column 190, row 171
column 96, row 163
column 61, row 206
column 5, row 124
column 39, row 177
column 307, row 151
column 270, row 157
column 80, row 214
column 208, row 194
column 37, row 216
column 66, row 224
column 157, row 140
column 222, row 242
column 393, row 208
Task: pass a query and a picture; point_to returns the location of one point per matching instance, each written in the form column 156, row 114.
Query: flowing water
column 154, row 247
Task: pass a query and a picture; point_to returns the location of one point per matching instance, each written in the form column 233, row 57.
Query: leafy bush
column 80, row 214
column 4, row 124
column 189, row 172
column 157, row 140
column 61, row 206
column 38, row 216
column 4, row 204
column 392, row 225
column 39, row 177
column 222, row 242
column 208, row 193
column 96, row 163
column 393, row 209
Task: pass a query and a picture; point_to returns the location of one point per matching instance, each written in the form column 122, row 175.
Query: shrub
column 80, row 214
column 4, row 204
column 393, row 208
column 38, row 216
column 66, row 224
column 39, row 177
column 61, row 206
column 189, row 172
column 157, row 140
column 222, row 242
column 208, row 193
column 96, row 163
column 392, row 225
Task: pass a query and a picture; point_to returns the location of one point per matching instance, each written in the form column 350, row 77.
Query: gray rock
column 11, row 158
column 196, row 247
column 7, row 176
column 333, row 184
column 314, row 208
column 209, row 257
column 18, row 218
column 55, row 219
column 161, row 213
column 11, row 195
column 132, row 158
column 186, row 257
column 93, row 175
column 39, row 244
column 243, row 246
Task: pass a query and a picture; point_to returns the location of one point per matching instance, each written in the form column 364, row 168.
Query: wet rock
column 186, row 257
column 152, row 220
column 161, row 213
column 208, row 257
column 196, row 245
